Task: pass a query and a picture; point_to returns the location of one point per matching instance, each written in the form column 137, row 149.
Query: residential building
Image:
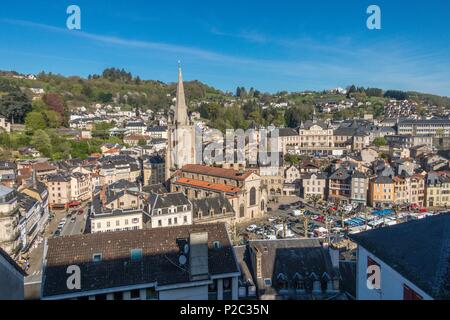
column 340, row 185
column 437, row 190
column 291, row 174
column 136, row 128
column 297, row 269
column 359, row 187
column 5, row 125
column 314, row 186
column 9, row 221
column 417, row 190
column 135, row 140
column 157, row 132
column 59, row 189
column 409, row 141
column 170, row 209
column 154, row 170
column 434, row 127
column 179, row 263
column 118, row 211
column 381, row 192
column 316, row 138
column 409, row 261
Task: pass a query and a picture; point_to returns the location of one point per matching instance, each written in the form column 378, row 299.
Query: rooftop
column 418, row 250
column 161, row 248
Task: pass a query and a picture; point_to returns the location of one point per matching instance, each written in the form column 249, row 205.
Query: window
column 268, row 282
column 117, row 223
column 151, row 294
column 175, row 220
column 253, row 196
column 185, row 218
column 97, row 257
column 216, row 245
column 410, row 294
column 136, row 255
column 135, row 294
column 170, row 221
column 159, row 223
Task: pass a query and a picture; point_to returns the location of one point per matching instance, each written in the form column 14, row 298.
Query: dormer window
column 216, row 245
column 97, row 257
column 136, row 255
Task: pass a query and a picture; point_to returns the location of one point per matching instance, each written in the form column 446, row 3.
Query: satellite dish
column 186, row 249
column 182, row 260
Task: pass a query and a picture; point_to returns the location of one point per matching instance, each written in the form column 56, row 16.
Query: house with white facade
column 407, row 261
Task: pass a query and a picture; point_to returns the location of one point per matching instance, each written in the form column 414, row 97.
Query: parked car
column 57, row 233
column 73, row 219
column 252, row 228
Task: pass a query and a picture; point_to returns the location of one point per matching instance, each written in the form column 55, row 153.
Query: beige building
column 243, row 189
column 154, row 170
column 437, row 190
column 313, row 186
column 9, row 220
column 316, row 138
column 118, row 211
column 59, row 190
column 5, row 125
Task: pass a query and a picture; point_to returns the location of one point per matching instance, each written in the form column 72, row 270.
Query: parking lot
column 288, row 216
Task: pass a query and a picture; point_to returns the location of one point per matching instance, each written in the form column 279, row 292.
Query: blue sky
column 269, row 45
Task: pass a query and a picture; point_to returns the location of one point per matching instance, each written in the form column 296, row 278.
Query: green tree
column 35, row 121
column 380, row 142
column 41, row 141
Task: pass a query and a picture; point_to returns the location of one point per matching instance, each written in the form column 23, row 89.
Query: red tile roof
column 216, row 172
column 207, row 185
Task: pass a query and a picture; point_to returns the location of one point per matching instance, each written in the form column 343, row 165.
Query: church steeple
column 181, row 116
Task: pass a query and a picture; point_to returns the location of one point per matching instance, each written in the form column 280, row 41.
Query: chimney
column 103, row 195
column 198, row 256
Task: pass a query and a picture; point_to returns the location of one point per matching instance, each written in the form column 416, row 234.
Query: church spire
column 181, row 116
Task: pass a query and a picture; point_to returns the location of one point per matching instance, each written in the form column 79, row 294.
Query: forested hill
column 120, row 88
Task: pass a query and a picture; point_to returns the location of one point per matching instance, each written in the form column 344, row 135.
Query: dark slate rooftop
column 418, row 250
column 212, row 203
column 161, row 249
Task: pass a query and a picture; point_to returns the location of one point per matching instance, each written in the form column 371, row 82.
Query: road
column 77, row 227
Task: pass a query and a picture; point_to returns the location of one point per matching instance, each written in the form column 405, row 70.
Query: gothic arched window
column 253, row 196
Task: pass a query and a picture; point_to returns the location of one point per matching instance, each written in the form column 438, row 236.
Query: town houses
column 145, row 205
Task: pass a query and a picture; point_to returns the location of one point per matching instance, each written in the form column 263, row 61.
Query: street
column 33, row 280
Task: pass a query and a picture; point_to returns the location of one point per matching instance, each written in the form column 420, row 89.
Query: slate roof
column 309, row 124
column 155, row 188
column 161, row 248
column 304, row 257
column 216, row 204
column 418, row 250
column 162, row 201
